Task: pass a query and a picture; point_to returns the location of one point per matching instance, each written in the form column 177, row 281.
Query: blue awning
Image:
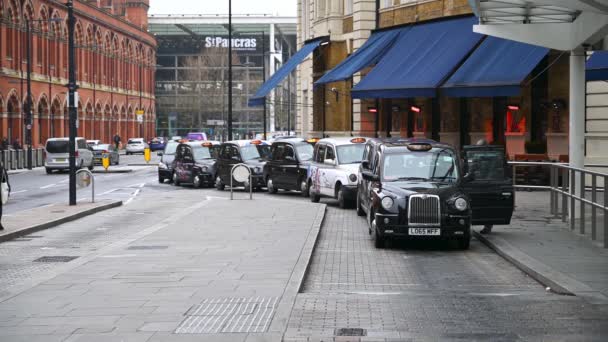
column 496, row 68
column 368, row 54
column 260, row 96
column 597, row 66
column 420, row 60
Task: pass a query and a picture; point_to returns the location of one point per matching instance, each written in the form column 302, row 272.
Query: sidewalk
column 547, row 250
column 28, row 221
column 216, row 270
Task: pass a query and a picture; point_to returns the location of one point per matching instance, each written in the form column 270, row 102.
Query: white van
column 58, row 157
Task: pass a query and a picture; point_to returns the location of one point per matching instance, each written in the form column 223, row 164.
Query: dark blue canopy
column 368, row 54
column 260, row 96
column 496, row 68
column 597, row 66
column 420, row 60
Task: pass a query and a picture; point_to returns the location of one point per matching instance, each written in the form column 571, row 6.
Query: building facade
column 533, row 124
column 192, row 74
column 115, row 58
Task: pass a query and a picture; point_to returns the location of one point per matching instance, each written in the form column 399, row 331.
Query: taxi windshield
column 249, row 152
column 305, row 151
column 171, row 148
column 434, row 166
column 201, row 153
column 350, row 154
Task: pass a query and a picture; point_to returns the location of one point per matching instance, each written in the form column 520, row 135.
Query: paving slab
column 543, row 247
column 29, row 221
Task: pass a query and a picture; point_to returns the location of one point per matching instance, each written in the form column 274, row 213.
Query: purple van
column 196, row 136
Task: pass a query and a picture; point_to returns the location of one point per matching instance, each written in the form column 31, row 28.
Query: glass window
column 163, row 75
column 386, row 3
column 278, row 152
column 165, row 61
column 423, row 166
column 201, row 153
column 348, row 7
column 187, row 153
column 171, row 147
column 225, row 152
column 57, row 146
column 81, row 143
column 305, row 152
column 249, row 152
column 321, row 153
column 486, row 165
column 330, row 154
column 350, row 154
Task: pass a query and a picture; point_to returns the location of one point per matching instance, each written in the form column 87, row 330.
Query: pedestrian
column 5, row 190
column 4, row 143
column 117, row 141
column 16, row 144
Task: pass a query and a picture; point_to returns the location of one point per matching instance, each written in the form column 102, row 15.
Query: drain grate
column 56, row 258
column 350, row 332
column 229, row 315
column 147, row 247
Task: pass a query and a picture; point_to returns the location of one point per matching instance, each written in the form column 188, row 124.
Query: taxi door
column 490, row 185
column 290, row 175
column 316, row 167
column 187, row 164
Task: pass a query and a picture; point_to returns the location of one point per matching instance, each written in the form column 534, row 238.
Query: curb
column 296, row 281
column 112, row 171
column 542, row 273
column 56, row 222
column 151, row 164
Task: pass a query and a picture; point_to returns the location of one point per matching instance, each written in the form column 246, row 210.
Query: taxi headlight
column 352, row 177
column 387, row 203
column 204, row 168
column 461, row 204
column 162, row 166
column 257, row 170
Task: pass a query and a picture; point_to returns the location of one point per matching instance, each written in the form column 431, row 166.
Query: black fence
column 17, row 159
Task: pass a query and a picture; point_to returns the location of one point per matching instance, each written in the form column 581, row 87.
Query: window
column 278, row 152
column 386, row 3
column 486, row 165
column 225, row 152
column 330, row 154
column 81, row 144
column 321, row 153
column 305, row 152
column 188, row 154
column 249, row 152
column 289, row 152
column 348, row 7
column 367, row 154
column 320, row 12
column 440, row 166
column 305, row 22
column 350, row 154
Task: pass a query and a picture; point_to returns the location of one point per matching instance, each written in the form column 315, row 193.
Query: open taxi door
column 489, row 184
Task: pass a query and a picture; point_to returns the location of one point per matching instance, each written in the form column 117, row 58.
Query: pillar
column 577, row 108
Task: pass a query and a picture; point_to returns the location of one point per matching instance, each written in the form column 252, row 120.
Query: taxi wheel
column 218, row 184
column 360, row 211
column 464, row 243
column 379, row 241
column 341, row 200
column 270, row 186
column 175, row 180
column 161, row 180
column 315, row 198
column 197, row 182
column 304, row 188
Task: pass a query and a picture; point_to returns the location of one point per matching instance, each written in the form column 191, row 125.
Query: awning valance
column 597, row 66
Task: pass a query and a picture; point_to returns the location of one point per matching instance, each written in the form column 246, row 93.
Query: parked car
column 236, row 152
column 196, row 136
column 157, row 144
column 418, row 190
column 93, row 142
column 287, row 168
column 136, row 145
column 165, row 166
column 194, row 164
column 176, row 138
column 99, row 150
column 334, row 167
column 58, row 156
column 263, row 148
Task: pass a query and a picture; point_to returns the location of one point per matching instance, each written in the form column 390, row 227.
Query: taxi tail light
column 76, row 154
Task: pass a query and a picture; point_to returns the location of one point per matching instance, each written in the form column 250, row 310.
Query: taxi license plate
column 60, row 160
column 425, row 231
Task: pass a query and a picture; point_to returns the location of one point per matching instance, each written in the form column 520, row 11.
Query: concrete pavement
column 207, row 269
column 546, row 249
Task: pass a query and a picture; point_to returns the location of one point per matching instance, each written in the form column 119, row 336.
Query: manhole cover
column 350, row 332
column 148, row 247
column 229, row 315
column 56, row 258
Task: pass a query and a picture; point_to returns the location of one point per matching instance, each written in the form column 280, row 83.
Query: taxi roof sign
column 358, row 140
column 256, row 142
column 419, row 147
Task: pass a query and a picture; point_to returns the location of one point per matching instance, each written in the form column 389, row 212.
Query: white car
column 334, row 168
column 58, row 157
column 136, row 145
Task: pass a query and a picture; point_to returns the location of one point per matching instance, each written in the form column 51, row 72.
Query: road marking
column 107, row 192
column 18, row 192
column 133, row 196
column 48, row 186
column 119, row 256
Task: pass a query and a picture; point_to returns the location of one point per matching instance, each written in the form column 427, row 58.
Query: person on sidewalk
column 117, row 141
column 5, row 144
column 16, row 144
column 3, row 179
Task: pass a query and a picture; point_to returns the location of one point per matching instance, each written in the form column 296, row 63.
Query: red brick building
column 115, row 61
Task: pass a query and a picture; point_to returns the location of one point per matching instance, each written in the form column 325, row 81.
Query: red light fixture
column 513, row 107
column 415, row 109
column 372, row 110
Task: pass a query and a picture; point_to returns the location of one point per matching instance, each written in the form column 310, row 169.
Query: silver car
column 58, row 156
column 136, row 145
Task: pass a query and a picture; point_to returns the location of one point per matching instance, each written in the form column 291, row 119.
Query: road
column 32, row 189
column 408, row 292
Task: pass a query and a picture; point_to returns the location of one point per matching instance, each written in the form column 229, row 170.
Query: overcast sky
column 280, row 7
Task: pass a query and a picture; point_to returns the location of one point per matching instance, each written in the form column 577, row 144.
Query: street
column 182, row 264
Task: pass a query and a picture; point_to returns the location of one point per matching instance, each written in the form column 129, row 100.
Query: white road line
column 18, row 192
column 107, row 192
column 48, row 186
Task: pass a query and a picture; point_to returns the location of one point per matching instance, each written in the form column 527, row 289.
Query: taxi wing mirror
column 160, row 154
column 329, row 161
column 369, row 176
column 236, row 158
column 469, row 177
column 290, row 158
column 365, row 164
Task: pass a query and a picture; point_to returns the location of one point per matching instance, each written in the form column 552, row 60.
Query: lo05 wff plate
column 425, row 231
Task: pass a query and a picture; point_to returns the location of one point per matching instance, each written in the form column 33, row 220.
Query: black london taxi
column 165, row 166
column 288, row 165
column 419, row 190
column 239, row 152
column 194, row 164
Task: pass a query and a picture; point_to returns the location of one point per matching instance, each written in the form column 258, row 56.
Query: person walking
column 16, row 144
column 5, row 191
column 117, row 141
column 4, row 144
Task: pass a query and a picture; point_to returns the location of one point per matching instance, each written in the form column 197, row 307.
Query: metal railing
column 571, row 192
column 17, row 159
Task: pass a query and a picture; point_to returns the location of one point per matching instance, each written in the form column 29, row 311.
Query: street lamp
column 229, row 69
column 28, row 110
column 72, row 87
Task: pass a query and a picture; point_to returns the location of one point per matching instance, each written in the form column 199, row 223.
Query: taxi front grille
column 424, row 210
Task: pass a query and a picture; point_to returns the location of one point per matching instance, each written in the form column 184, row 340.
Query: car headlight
column 461, row 204
column 352, row 177
column 257, row 170
column 162, row 166
column 387, row 203
column 204, row 168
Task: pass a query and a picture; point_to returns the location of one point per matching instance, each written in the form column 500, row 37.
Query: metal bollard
column 11, row 159
column 593, row 208
column 40, row 157
column 20, row 159
column 572, row 199
column 605, row 212
column 565, row 185
column 582, row 208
